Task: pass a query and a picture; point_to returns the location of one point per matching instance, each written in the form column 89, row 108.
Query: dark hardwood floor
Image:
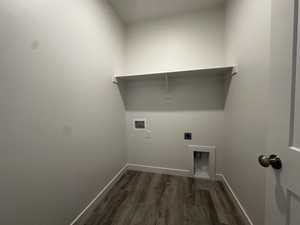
column 141, row 198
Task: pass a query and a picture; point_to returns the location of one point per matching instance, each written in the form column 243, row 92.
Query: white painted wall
column 173, row 43
column 62, row 119
column 246, row 109
column 131, row 11
column 194, row 103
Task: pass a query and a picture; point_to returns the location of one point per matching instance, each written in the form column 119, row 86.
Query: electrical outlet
column 188, row 136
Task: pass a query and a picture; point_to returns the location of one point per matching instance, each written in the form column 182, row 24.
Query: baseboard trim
column 80, row 219
column 237, row 202
column 159, row 170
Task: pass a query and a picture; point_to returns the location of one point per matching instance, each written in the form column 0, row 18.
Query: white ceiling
column 132, row 11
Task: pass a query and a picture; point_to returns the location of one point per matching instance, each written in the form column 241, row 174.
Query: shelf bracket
column 167, row 83
column 234, row 70
column 232, row 73
column 115, row 80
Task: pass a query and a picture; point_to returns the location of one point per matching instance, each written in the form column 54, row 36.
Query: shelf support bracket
column 167, row 83
column 234, row 70
column 232, row 73
column 115, row 80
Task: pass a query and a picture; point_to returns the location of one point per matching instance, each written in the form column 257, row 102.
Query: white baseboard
column 160, row 170
column 237, row 202
column 81, row 218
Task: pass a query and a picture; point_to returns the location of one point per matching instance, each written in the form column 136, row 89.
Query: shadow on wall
column 183, row 92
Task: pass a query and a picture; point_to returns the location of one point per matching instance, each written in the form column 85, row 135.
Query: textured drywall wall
column 192, row 103
column 173, row 43
column 246, row 108
column 62, row 119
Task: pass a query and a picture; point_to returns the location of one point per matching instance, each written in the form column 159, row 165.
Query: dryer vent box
column 139, row 124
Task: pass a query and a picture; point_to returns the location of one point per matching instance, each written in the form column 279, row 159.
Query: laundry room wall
column 248, row 45
column 62, row 134
column 192, row 103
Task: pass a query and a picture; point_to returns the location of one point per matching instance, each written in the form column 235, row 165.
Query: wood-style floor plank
column 140, row 198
